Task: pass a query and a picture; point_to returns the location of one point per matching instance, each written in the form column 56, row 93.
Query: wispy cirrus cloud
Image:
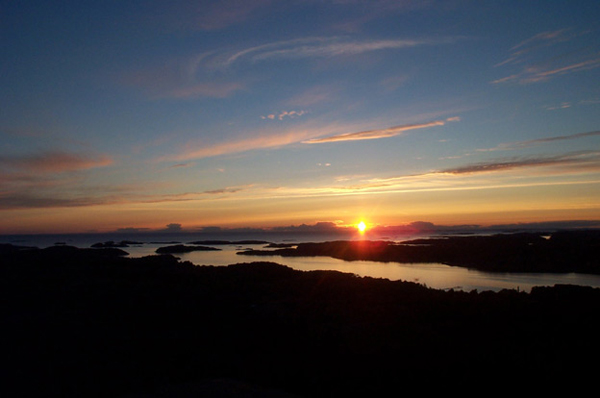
column 274, row 137
column 66, row 196
column 495, row 174
column 536, row 42
column 542, row 57
column 587, row 160
column 569, row 163
column 468, row 178
column 379, row 133
column 314, row 47
column 253, row 140
column 535, row 74
column 524, row 144
column 45, row 178
column 472, row 176
column 324, row 47
column 54, row 162
column 208, row 74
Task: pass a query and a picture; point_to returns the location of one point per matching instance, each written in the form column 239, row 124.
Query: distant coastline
column 566, row 251
column 557, row 252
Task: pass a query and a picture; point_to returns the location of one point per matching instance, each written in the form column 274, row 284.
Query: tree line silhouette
column 563, row 251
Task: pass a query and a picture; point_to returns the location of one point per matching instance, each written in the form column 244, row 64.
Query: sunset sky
column 263, row 113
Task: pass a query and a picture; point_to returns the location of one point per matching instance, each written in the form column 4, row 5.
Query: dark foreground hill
column 93, row 323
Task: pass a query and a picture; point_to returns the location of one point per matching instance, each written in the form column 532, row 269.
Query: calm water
column 433, row 275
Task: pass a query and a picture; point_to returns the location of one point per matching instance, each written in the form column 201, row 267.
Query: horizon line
column 331, row 227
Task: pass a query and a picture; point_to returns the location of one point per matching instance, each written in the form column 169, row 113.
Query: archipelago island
column 560, row 252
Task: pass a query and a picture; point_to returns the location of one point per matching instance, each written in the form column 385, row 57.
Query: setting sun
column 361, row 226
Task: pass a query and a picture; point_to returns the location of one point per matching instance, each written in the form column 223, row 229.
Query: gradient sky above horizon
column 139, row 114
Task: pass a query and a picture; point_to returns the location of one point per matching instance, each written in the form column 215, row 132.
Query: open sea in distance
column 433, row 275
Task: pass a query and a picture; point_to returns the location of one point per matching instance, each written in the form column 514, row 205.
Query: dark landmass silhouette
column 110, row 243
column 184, row 249
column 95, row 323
column 229, row 242
column 281, row 245
column 559, row 252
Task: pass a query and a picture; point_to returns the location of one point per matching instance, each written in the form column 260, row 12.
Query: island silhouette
column 96, row 323
column 560, row 252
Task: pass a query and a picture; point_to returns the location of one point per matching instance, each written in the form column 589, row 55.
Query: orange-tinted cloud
column 261, row 139
column 524, row 144
column 591, row 159
column 380, row 133
column 542, row 57
column 54, row 162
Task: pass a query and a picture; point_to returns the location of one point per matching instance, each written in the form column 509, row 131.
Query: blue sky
column 264, row 113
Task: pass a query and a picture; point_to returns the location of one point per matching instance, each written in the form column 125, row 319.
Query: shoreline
column 557, row 252
column 108, row 325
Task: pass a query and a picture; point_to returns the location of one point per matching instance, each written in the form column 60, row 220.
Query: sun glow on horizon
column 361, row 226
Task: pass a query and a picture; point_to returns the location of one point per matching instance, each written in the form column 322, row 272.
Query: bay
column 433, row 275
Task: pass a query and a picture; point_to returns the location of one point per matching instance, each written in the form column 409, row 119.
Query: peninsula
column 563, row 251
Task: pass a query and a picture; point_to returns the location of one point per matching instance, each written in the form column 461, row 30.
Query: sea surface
column 434, row 275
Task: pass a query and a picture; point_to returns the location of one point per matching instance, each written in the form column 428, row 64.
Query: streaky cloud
column 380, row 133
column 200, row 151
column 576, row 67
column 256, row 139
column 55, row 162
column 32, row 201
column 319, row 47
column 591, row 158
column 223, row 191
column 538, row 74
column 541, row 57
column 543, row 37
column 194, row 77
column 336, row 48
column 29, row 199
column 469, row 176
column 536, row 42
column 524, row 144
